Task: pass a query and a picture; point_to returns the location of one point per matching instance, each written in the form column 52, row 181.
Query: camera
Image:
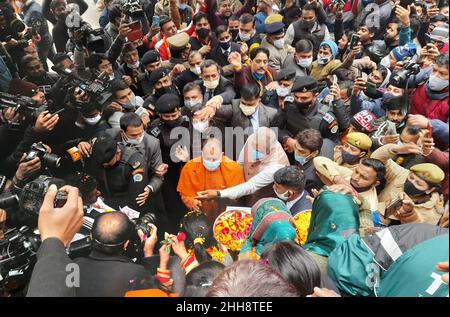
column 98, row 88
column 400, row 79
column 33, row 194
column 144, row 222
column 25, row 106
column 133, row 9
column 17, row 258
column 47, row 159
column 91, row 38
column 8, row 200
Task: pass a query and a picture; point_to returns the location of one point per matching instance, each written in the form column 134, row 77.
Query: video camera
column 98, row 89
column 92, row 38
column 25, row 106
column 47, row 159
column 400, row 79
column 133, row 9
column 17, row 258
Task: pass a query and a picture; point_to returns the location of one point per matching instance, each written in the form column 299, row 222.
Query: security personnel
column 121, row 171
column 168, row 107
column 418, row 188
column 355, row 148
column 303, row 111
column 150, row 61
column 179, row 51
column 161, row 83
column 275, row 98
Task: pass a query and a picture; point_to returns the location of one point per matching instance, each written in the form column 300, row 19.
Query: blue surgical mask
column 257, row 155
column 211, row 165
column 258, row 76
column 302, row 160
column 436, row 83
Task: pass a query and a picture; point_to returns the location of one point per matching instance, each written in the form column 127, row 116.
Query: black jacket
column 106, row 275
column 225, row 89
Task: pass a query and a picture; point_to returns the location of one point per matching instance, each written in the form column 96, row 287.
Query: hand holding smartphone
column 135, row 31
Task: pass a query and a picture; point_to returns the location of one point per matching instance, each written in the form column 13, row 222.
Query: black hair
column 292, row 177
column 258, row 50
column 310, row 139
column 163, row 20
column 233, row 18
column 377, row 166
column 208, row 63
column 118, row 84
column 247, row 18
column 413, row 130
column 442, row 59
column 250, row 92
column 130, row 119
column 94, row 60
column 309, row 7
column 372, row 29
column 59, row 57
column 111, row 239
column 197, row 225
column 192, row 86
column 198, row 16
column 199, row 280
column 295, row 265
column 221, row 29
column 304, row 46
column 114, row 12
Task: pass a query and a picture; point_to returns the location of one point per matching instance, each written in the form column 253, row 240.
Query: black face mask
column 308, row 25
column 234, row 33
column 411, row 190
column 303, row 105
column 372, row 92
column 173, row 123
column 202, row 33
column 225, row 45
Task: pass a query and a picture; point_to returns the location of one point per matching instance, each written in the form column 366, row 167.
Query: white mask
column 200, row 126
column 135, row 65
column 282, row 91
column 246, row 110
column 323, row 60
column 282, row 196
column 19, row 4
column 436, row 83
column 191, row 103
column 196, row 70
column 386, row 62
column 133, row 141
column 305, row 63
column 211, row 84
column 279, row 43
column 94, row 120
column 111, row 77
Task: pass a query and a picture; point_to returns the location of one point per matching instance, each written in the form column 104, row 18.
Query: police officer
column 303, row 111
column 161, row 83
column 275, row 98
column 171, row 121
column 179, row 51
column 121, row 172
column 355, row 148
column 150, row 61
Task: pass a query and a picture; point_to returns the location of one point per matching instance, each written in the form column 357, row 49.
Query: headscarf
column 268, row 143
column 272, row 223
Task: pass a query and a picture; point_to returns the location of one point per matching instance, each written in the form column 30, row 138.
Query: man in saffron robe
column 212, row 170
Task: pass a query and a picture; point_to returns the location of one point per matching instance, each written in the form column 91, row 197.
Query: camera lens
column 8, row 201
column 51, row 160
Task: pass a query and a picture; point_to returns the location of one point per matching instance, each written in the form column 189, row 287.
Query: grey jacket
column 289, row 63
column 153, row 156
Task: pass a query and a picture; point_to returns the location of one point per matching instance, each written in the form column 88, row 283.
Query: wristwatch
column 218, row 194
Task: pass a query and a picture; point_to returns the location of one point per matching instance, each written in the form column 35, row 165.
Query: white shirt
column 260, row 180
column 291, row 203
column 254, row 119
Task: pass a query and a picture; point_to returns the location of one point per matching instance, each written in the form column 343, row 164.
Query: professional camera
column 25, row 106
column 8, row 200
column 47, row 159
column 33, row 194
column 400, row 79
column 144, row 222
column 98, row 89
column 133, row 9
column 91, row 38
column 17, row 258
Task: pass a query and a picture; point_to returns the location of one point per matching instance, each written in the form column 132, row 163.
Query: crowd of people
column 327, row 119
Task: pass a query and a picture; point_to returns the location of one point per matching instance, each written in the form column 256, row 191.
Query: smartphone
column 354, row 40
column 393, row 207
column 135, row 32
column 139, row 111
column 335, row 80
column 406, row 3
column 155, row 21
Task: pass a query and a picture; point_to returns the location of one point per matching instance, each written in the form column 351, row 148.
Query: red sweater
column 432, row 109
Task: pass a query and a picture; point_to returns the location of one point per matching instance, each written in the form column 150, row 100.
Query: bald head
column 112, row 228
column 212, row 149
